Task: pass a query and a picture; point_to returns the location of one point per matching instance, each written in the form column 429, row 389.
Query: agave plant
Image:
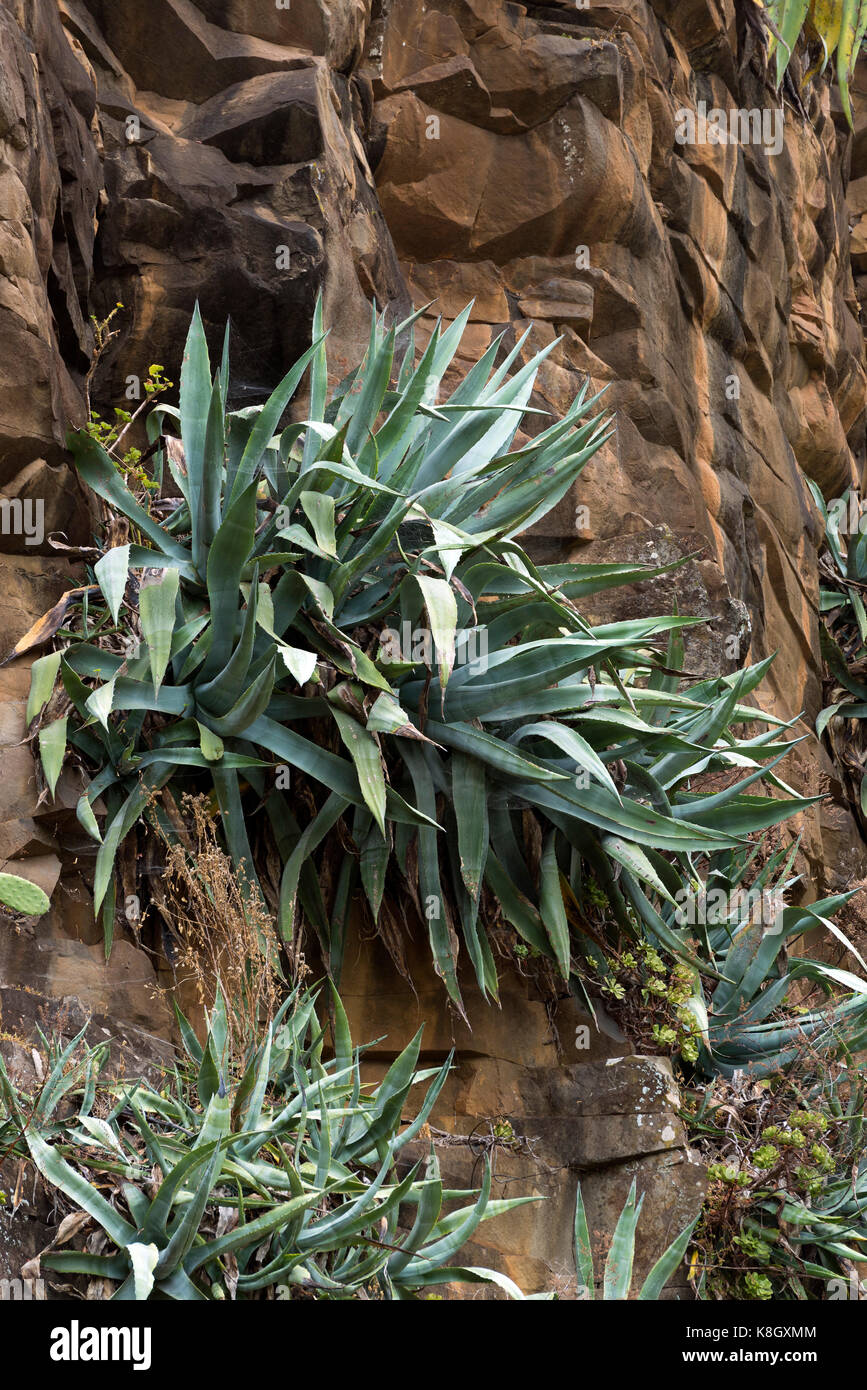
column 279, row 1174
column 838, row 27
column 843, row 571
column 617, row 1276
column 255, row 638
column 753, row 1028
column 747, row 1021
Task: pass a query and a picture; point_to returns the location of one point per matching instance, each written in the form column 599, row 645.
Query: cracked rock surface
column 522, row 155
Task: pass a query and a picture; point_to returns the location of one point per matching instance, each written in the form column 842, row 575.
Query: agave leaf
column 333, row 1228
column 793, row 17
column 387, row 716
column 515, row 908
column 52, row 749
column 143, row 1259
column 297, row 536
column 58, row 1173
column 464, row 738
column 365, row 754
column 618, row 1265
column 634, row 859
column 157, row 604
column 84, row 807
column 572, row 744
column 265, row 426
column 583, row 1247
column 414, row 1129
column 43, row 675
column 227, row 559
column 486, row 423
column 318, row 384
column 402, row 425
column 191, row 1043
column 551, row 907
column 366, row 405
column 442, row 610
column 210, row 491
column 211, row 746
column 300, row 663
column 318, row 827
column 845, row 711
column 626, row 819
column 427, row 1214
column 469, row 795
column 232, row 816
column 131, row 695
column 156, row 1224
column 214, row 1128
column 374, row 856
column 318, row 507
column 78, row 1262
column 846, row 54
column 442, row 939
column 492, row 1276
column 195, row 399
column 248, row 708
column 112, row 573
column 700, row 808
column 121, row 824
column 326, row 768
column 447, row 1246
column 744, row 815
column 100, row 474
column 100, row 704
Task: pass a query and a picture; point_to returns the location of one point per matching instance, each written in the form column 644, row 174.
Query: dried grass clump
column 225, row 934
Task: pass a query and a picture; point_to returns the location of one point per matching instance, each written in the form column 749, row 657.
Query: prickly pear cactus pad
column 23, row 896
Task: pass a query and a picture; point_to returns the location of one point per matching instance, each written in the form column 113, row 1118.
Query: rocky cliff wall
column 526, row 156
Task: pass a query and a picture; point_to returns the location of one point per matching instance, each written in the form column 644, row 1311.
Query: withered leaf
column 45, row 627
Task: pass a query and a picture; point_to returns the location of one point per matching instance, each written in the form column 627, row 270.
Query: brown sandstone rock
column 49, row 180
column 525, row 155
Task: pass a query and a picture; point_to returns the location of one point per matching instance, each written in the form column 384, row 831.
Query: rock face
column 234, row 175
column 527, row 156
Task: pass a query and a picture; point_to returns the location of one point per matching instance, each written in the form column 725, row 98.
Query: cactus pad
column 22, row 896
